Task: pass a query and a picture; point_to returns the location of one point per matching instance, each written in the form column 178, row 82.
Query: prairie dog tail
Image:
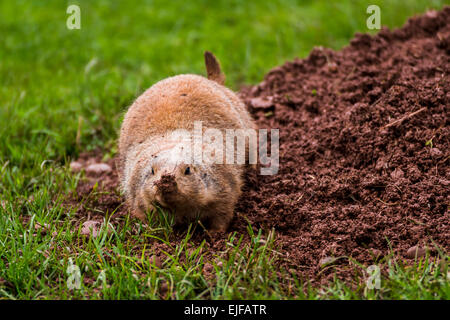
column 213, row 68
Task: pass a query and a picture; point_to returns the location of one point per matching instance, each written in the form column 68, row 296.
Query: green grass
column 64, row 91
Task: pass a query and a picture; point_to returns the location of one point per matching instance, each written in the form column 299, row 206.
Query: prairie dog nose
column 166, row 184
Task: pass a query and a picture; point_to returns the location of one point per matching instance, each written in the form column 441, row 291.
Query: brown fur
column 208, row 192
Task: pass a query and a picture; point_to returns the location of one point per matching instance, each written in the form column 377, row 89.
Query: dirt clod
column 75, row 166
column 377, row 254
column 98, row 169
column 208, row 267
column 416, row 252
column 261, row 103
column 90, row 226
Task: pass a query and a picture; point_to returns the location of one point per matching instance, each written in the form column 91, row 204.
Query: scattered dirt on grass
column 98, row 193
column 364, row 153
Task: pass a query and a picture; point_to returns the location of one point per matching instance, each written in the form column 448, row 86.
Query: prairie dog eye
column 187, row 170
column 149, row 173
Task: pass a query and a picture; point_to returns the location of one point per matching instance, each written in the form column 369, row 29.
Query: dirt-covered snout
column 166, row 190
column 176, row 187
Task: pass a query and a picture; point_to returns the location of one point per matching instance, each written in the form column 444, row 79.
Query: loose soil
column 364, row 153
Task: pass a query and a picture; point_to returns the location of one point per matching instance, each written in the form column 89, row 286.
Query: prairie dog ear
column 213, row 68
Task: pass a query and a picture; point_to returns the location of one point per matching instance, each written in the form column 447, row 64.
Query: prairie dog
column 154, row 167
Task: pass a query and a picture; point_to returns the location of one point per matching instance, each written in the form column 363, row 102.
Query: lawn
column 65, row 91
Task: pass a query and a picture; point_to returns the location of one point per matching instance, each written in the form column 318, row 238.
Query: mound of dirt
column 364, row 146
column 364, row 151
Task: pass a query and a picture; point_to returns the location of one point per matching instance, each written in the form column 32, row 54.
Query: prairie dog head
column 169, row 180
